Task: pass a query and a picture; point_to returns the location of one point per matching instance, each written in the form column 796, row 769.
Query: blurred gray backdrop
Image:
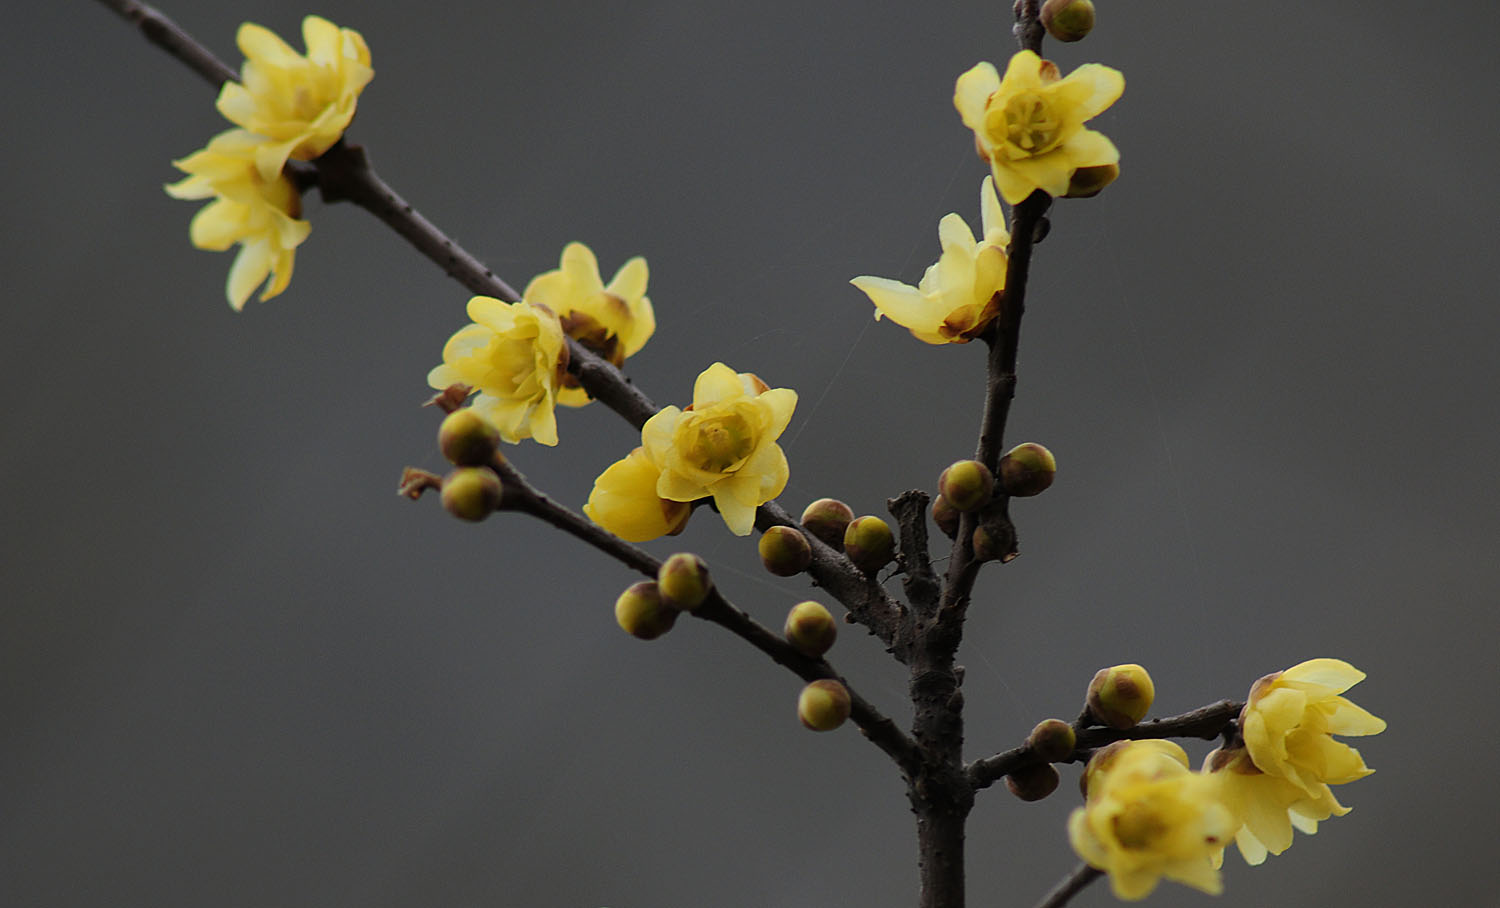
column 237, row 670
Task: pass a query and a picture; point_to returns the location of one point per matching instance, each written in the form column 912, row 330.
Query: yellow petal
column 715, row 384
column 262, row 45
column 250, row 268
column 1335, row 675
column 992, row 217
column 971, row 92
column 1089, row 89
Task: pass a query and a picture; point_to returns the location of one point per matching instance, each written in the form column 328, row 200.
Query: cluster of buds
column 472, row 491
column 650, row 608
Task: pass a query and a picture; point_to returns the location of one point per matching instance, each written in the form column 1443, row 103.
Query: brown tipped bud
column 811, row 629
column 1027, row 470
column 826, row 519
column 1053, row 740
column 823, row 705
column 1068, row 20
column 1099, row 764
column 994, row 541
column 1121, row 696
column 472, row 493
column 945, row 516
column 869, row 543
column 684, row 582
column 785, row 551
column 967, row 485
column 1088, row 182
column 1034, row 782
column 642, row 613
column 467, row 439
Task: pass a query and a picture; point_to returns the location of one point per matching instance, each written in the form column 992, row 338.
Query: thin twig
column 167, row 35
column 1071, row 885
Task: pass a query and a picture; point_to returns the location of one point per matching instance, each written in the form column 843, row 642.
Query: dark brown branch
column 921, row 584
column 1028, row 28
column 1071, row 885
column 166, row 34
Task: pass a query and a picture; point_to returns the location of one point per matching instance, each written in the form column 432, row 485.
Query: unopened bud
column 1052, row 740
column 784, row 551
column 1068, row 20
column 1027, row 470
column 869, row 543
column 967, row 485
column 1103, row 760
column 642, row 613
column 994, row 541
column 1034, row 782
column 1087, row 182
column 945, row 516
column 472, row 493
column 684, row 582
column 823, row 705
column 467, row 439
column 826, row 519
column 811, row 629
column 1121, row 696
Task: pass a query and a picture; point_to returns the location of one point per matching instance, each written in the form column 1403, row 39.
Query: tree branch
column 1071, row 885
column 167, row 35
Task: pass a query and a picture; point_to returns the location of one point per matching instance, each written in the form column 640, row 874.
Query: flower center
column 1030, row 125
column 1137, row 826
column 717, row 443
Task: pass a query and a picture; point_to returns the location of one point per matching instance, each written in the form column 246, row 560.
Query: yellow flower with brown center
column 514, row 355
column 960, row 293
column 257, row 213
column 613, row 320
column 1029, row 125
column 301, row 104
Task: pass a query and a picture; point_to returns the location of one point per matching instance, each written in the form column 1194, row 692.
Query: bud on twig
column 1121, row 696
column 1027, row 470
column 869, row 543
column 467, row 439
column 784, row 551
column 823, row 705
column 946, row 516
column 966, row 485
column 683, row 581
column 1052, row 740
column 811, row 629
column 472, row 493
column 1034, row 782
column 1068, row 20
column 641, row 612
column 826, row 519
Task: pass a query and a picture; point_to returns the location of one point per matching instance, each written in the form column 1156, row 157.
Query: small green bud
column 811, row 629
column 826, row 519
column 472, row 493
column 994, row 542
column 1068, row 20
column 946, row 516
column 967, row 485
column 869, row 543
column 684, row 582
column 1121, row 696
column 1053, row 740
column 1088, row 182
column 784, row 551
column 1027, row 470
column 1034, row 782
column 642, row 613
column 823, row 705
column 467, row 439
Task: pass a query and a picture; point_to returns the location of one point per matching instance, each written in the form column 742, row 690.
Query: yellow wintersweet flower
column 301, row 104
column 259, row 214
column 1029, row 125
column 1148, row 816
column 514, row 355
column 614, row 321
column 1280, row 778
column 960, row 293
column 624, row 501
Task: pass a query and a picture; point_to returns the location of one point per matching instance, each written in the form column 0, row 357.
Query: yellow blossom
column 624, row 501
column 614, row 321
column 1280, row 778
column 300, row 104
column 1148, row 816
column 259, row 214
column 960, row 293
column 514, row 355
column 1029, row 125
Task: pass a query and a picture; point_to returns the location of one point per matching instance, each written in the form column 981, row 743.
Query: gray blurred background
column 237, row 670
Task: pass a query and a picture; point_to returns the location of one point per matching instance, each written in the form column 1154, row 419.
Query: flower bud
column 471, row 493
column 826, row 519
column 823, row 705
column 642, row 613
column 811, row 629
column 945, row 516
column 1087, row 182
column 1068, row 20
column 1027, row 470
column 1034, row 782
column 1104, row 758
column 1052, row 740
column 869, row 543
column 467, row 439
column 1121, row 696
column 683, row 581
column 784, row 551
column 994, row 541
column 967, row 485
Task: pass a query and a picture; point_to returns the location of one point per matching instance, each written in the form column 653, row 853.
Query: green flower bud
column 1068, row 20
column 1027, row 470
column 1088, row 182
column 1121, row 696
column 823, row 705
column 946, row 516
column 684, row 582
column 1053, row 740
column 869, row 543
column 1034, row 782
column 467, row 439
column 826, row 519
column 472, row 493
column 642, row 613
column 785, row 551
column 967, row 485
column 994, row 542
column 811, row 629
